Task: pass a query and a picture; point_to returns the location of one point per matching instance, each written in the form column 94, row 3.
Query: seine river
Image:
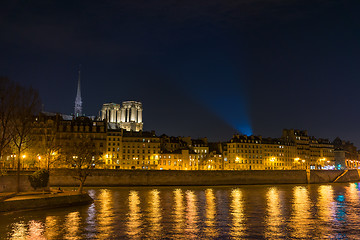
column 229, row 212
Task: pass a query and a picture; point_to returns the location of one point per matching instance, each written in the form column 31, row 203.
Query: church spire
column 78, row 102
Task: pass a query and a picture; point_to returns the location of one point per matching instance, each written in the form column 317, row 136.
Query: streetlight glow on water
column 229, row 212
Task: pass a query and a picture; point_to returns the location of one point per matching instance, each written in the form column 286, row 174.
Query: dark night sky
column 201, row 68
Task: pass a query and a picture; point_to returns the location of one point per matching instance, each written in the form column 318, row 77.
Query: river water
column 228, row 212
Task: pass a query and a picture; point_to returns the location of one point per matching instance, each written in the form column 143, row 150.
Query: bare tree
column 81, row 155
column 51, row 150
column 7, row 100
column 27, row 104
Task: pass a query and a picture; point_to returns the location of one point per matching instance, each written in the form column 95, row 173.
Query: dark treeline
column 18, row 106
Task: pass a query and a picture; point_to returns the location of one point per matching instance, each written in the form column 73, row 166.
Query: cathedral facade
column 127, row 115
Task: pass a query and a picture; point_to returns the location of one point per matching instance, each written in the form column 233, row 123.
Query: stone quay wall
column 8, row 182
column 115, row 178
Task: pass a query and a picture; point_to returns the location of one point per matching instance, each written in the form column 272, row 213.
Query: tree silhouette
column 81, row 155
column 26, row 105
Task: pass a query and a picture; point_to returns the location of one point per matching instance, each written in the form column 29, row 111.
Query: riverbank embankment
column 31, row 200
column 116, row 178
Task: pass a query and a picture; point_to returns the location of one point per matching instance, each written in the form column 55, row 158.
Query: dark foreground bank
column 43, row 201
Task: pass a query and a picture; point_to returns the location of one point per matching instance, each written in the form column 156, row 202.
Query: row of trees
column 19, row 107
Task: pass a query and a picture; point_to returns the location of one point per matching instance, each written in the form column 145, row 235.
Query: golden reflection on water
column 19, row 231
column 105, row 216
column 36, row 230
column 191, row 214
column 326, row 208
column 210, row 229
column 274, row 218
column 300, row 221
column 52, row 227
column 237, row 212
column 155, row 212
column 72, row 226
column 134, row 217
column 352, row 193
column 352, row 196
column 179, row 209
column 318, row 212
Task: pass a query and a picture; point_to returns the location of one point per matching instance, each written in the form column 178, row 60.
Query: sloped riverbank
column 29, row 201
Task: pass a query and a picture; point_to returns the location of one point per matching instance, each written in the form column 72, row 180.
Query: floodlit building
column 127, row 116
column 122, row 149
column 346, row 154
column 181, row 153
column 315, row 153
column 280, row 155
column 321, row 153
column 214, row 159
column 181, row 159
column 132, row 150
column 52, row 133
column 244, row 153
column 301, row 140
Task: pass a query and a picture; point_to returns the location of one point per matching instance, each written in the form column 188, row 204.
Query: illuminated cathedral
column 127, row 115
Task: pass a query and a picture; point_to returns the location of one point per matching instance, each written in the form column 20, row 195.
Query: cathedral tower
column 78, row 102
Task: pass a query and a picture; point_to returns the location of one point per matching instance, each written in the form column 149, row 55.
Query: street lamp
column 237, row 161
column 23, row 157
column 39, row 158
column 272, row 160
column 296, row 160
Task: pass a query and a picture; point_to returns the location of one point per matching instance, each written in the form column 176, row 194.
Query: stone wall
column 8, row 183
column 174, row 178
column 322, row 176
column 101, row 177
column 326, row 176
column 178, row 178
column 350, row 176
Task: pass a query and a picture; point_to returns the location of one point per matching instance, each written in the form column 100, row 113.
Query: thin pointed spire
column 78, row 102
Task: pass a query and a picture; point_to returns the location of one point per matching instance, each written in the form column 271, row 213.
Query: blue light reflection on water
column 233, row 212
column 340, row 216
